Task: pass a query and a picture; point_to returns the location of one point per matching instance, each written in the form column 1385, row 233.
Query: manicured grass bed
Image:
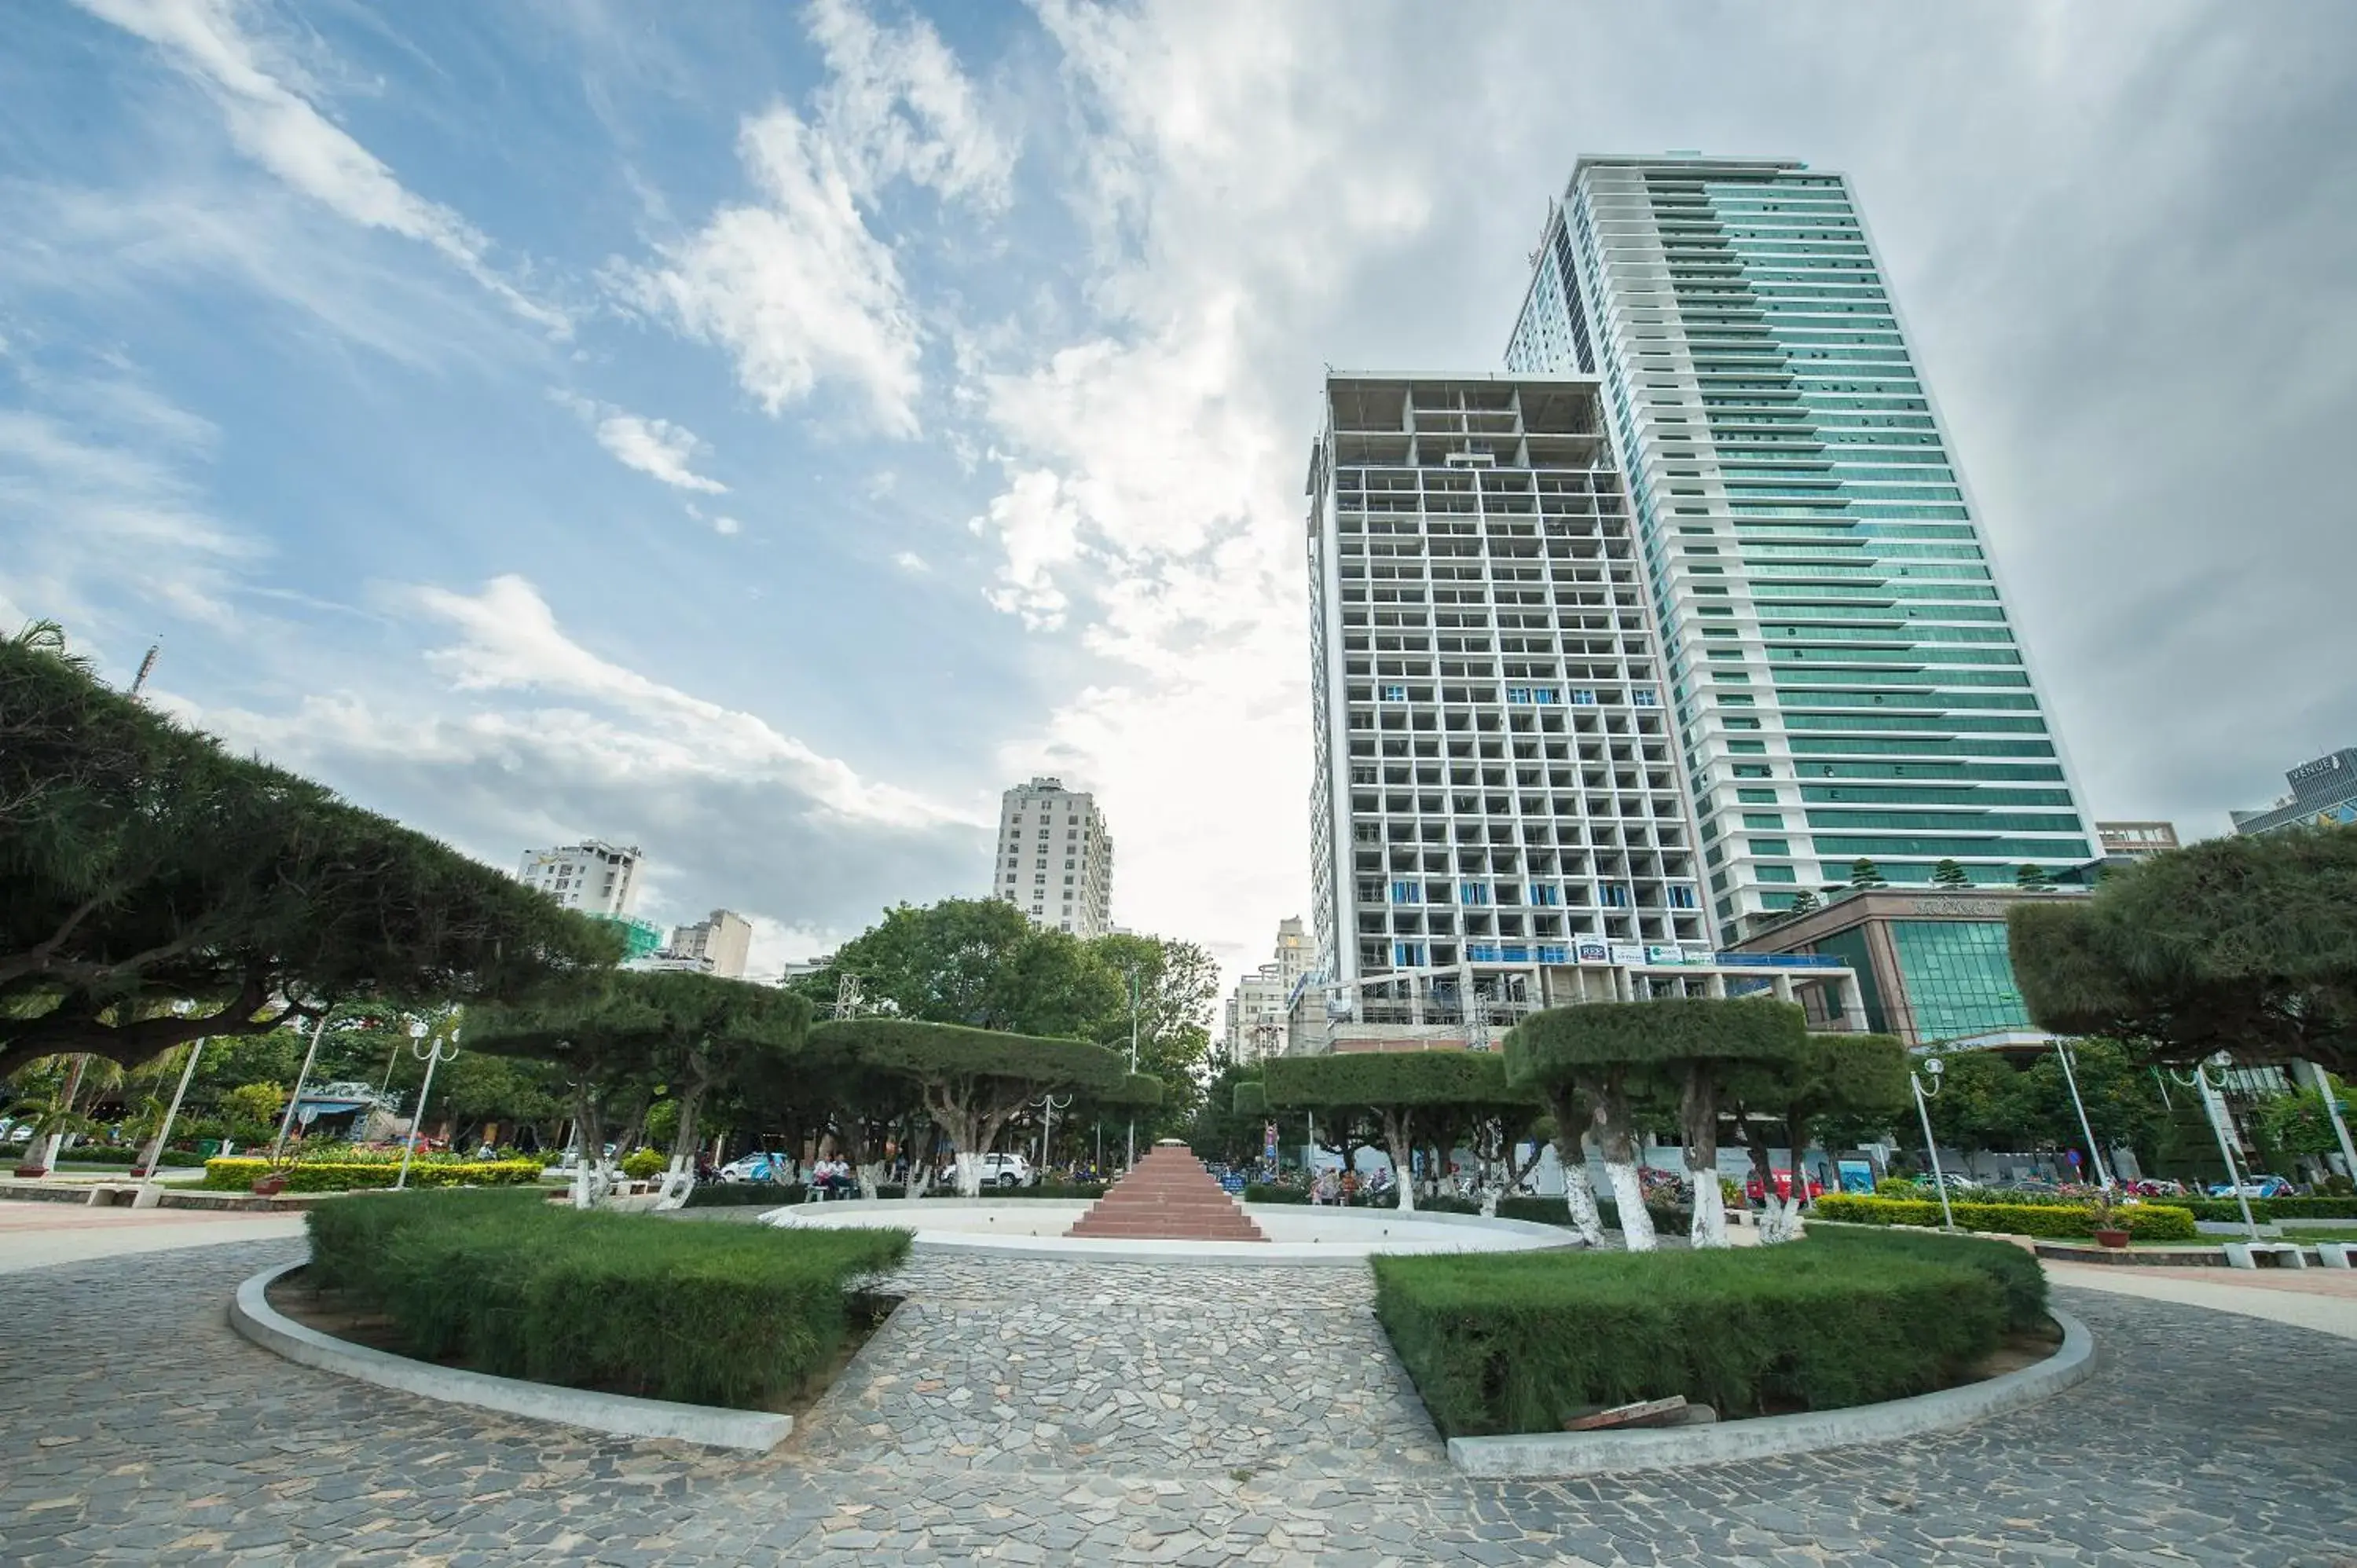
column 1518, row 1342
column 719, row 1314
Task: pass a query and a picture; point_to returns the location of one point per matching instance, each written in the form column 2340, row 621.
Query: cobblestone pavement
column 140, row 1430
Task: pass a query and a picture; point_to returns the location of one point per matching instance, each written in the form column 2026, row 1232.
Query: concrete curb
column 1263, row 1254
column 1543, row 1455
column 622, row 1415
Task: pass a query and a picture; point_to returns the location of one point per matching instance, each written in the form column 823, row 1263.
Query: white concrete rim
column 1550, row 1455
column 1286, row 1254
column 620, row 1415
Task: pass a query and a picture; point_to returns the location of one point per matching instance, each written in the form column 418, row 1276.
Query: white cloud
column 897, row 107
column 657, row 448
column 726, row 525
column 275, row 125
column 909, row 561
column 794, row 289
column 509, row 640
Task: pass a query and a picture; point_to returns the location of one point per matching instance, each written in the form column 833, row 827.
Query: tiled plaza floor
column 1028, row 1413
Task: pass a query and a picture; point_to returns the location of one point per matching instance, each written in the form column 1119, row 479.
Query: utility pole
column 1132, row 1061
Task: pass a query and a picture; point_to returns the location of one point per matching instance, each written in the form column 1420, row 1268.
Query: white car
column 757, row 1167
column 1006, row 1170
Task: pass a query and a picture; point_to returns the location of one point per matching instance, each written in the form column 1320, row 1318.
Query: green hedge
column 744, row 1195
column 2227, row 1210
column 2015, row 1269
column 709, row 1314
column 1539, row 1211
column 2143, row 1221
column 105, row 1154
column 1518, row 1342
column 238, row 1173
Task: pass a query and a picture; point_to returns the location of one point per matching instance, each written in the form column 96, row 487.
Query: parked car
column 1955, row 1181
column 1752, row 1189
column 566, row 1161
column 1007, row 1170
column 2255, row 1187
column 759, row 1167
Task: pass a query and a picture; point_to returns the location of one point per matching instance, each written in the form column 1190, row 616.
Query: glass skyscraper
column 1845, row 681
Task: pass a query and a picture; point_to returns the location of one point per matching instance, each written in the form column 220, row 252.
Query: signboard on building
column 1627, row 955
column 1662, row 954
column 1594, row 952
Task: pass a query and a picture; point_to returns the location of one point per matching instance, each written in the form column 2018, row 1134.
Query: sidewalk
column 2322, row 1299
column 36, row 1235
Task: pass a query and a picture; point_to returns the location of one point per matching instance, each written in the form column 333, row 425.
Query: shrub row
column 105, row 1154
column 1519, row 1342
column 2143, row 1221
column 2019, row 1278
column 709, row 1314
column 238, row 1173
column 744, row 1195
column 2227, row 1210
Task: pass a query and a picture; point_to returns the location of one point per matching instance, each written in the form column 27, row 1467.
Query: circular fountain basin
column 1297, row 1233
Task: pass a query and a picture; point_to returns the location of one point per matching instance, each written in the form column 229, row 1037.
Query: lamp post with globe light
column 432, row 1056
column 2215, row 1104
column 1923, row 1096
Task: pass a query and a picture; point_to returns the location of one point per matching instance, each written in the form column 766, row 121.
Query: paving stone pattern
column 139, row 1429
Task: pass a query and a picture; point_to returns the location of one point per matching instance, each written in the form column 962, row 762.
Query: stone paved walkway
column 140, row 1430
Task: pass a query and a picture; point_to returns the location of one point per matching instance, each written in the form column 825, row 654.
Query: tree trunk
column 590, row 1182
column 679, row 1179
column 1698, row 1109
column 1796, row 1139
column 1615, row 1139
column 1397, row 1124
column 1571, row 1153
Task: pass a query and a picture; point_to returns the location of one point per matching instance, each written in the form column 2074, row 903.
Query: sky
column 763, row 433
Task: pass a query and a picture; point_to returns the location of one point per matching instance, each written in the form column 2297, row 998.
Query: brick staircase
column 1168, row 1197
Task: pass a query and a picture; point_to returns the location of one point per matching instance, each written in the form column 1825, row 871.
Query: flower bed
column 238, row 1173
column 1520, row 1342
column 2153, row 1221
column 705, row 1314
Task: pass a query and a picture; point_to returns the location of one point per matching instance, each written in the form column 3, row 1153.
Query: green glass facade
column 1834, row 634
column 1958, row 976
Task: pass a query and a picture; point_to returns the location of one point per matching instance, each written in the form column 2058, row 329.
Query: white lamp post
column 1132, row 1061
column 433, row 1057
column 2102, row 1172
column 148, row 1195
column 2215, row 1104
column 1049, row 1105
column 302, row 1076
column 1923, row 1096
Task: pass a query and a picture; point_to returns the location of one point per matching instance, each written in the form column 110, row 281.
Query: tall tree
column 154, row 889
column 2245, row 945
column 1412, row 1096
column 1824, row 1078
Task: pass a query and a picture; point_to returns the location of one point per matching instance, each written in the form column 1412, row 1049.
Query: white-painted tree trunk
column 1709, row 1228
column 871, row 1176
column 1629, row 1197
column 1396, row 1140
column 969, row 1173
column 1579, row 1197
column 42, row 1153
column 678, row 1181
column 921, row 1177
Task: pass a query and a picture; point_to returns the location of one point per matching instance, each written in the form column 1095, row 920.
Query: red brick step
column 1168, row 1196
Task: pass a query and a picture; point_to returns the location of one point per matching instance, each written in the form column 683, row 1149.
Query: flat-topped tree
column 689, row 1032
column 2245, row 945
column 1583, row 1065
column 154, row 889
column 972, row 1080
column 1825, row 1076
column 1401, row 1090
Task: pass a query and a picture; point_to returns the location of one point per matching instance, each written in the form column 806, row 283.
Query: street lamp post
column 1923, row 1096
column 1049, row 1105
column 287, row 1122
column 1132, row 1061
column 146, row 1197
column 433, row 1057
column 2102, row 1172
column 2215, row 1104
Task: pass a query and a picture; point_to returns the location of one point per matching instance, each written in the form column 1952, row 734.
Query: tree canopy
column 2246, row 945
column 154, row 888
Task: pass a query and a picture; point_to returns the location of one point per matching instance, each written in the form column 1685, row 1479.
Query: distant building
column 593, row 876
column 795, row 968
column 1055, row 858
column 1255, row 1021
column 2125, row 843
column 2323, row 795
column 1932, row 965
column 641, row 938
column 722, row 941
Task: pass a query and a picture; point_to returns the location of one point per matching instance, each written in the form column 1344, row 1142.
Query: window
column 1407, row 893
column 1764, row 819
column 1771, row 847
column 1583, row 698
column 1395, row 693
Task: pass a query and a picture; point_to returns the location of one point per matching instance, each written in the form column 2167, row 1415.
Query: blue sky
column 762, row 433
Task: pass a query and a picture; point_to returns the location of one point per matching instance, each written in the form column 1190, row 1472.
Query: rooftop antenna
column 146, row 667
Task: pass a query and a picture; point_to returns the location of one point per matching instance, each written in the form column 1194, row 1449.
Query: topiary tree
column 2245, row 945
column 972, row 1080
column 1862, row 874
column 1949, row 874
column 2032, row 878
column 1396, row 1089
column 1590, row 1086
column 1825, row 1076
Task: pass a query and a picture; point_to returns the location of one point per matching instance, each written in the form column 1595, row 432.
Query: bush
column 1897, row 1187
column 645, row 1165
column 1519, row 1342
column 2016, row 1270
column 1258, row 1192
column 744, row 1195
column 107, row 1155
column 238, row 1173
column 2230, row 1211
column 709, row 1314
column 2144, row 1221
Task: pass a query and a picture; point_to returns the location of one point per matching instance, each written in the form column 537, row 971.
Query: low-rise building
column 723, row 940
column 2125, row 843
column 593, row 876
column 2323, row 795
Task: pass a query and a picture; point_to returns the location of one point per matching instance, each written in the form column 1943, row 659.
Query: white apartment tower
column 1055, row 858
column 1258, row 1009
column 1497, row 781
column 721, row 941
column 593, row 876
